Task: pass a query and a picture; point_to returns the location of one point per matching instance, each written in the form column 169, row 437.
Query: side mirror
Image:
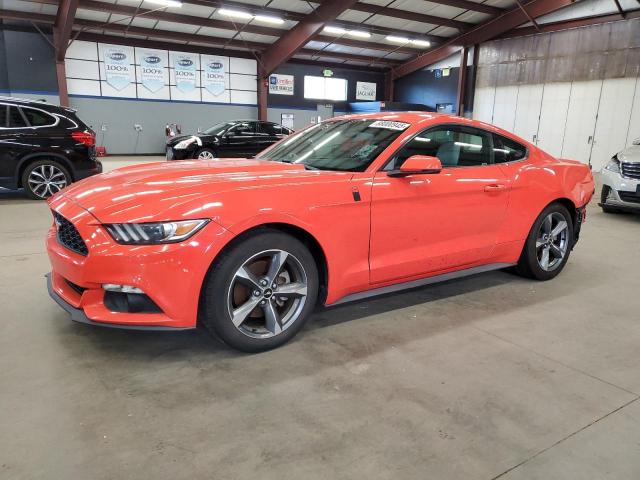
column 418, row 164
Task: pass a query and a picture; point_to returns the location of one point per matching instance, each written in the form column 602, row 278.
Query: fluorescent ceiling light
column 336, row 30
column 421, row 43
column 269, row 19
column 234, row 13
column 359, row 33
column 166, row 3
column 394, row 39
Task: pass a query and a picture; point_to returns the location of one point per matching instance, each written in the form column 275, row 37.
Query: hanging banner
column 365, row 91
column 281, row 84
column 214, row 74
column 117, row 65
column 152, row 63
column 185, row 69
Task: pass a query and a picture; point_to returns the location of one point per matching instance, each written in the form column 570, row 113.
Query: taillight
column 86, row 138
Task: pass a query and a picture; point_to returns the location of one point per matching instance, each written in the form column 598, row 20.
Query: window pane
column 506, row 150
column 454, row 148
column 3, row 116
column 325, row 88
column 37, row 118
column 345, row 145
column 15, row 119
column 268, row 128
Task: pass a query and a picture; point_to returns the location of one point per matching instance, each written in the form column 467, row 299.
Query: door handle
column 498, row 187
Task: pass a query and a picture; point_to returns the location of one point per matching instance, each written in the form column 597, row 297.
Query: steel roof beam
column 298, row 36
column 486, row 31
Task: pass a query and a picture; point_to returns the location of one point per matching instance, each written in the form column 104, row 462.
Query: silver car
column 621, row 181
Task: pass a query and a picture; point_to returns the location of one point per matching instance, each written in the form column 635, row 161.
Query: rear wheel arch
column 34, row 157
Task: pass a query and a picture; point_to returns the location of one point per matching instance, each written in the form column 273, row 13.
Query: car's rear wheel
column 205, row 154
column 605, row 195
column 548, row 246
column 43, row 178
column 260, row 292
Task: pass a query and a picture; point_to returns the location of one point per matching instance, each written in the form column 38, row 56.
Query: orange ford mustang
column 355, row 206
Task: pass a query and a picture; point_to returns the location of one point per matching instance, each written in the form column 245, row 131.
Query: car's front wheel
column 547, row 248
column 260, row 292
column 43, row 178
column 205, row 154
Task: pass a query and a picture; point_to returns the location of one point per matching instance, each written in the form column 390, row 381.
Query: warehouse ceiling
column 373, row 33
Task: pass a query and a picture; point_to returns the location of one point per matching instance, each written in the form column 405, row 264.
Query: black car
column 240, row 138
column 43, row 147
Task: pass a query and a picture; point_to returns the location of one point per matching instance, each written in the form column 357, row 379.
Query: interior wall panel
column 527, row 111
column 553, row 117
column 581, row 120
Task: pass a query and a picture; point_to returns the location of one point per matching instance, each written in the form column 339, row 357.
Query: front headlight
column 613, row 165
column 185, row 143
column 154, row 233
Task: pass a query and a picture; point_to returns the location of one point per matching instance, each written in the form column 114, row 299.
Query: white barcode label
column 389, row 125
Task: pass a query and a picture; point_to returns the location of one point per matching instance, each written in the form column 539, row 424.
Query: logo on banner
column 152, row 71
column 185, row 71
column 117, row 68
column 214, row 77
column 281, row 84
column 365, row 91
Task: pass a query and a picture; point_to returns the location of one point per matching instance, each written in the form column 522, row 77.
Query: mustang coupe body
column 351, row 207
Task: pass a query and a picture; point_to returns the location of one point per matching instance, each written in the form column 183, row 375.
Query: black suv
column 239, row 138
column 43, row 147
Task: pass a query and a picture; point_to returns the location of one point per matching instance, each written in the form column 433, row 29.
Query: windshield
column 344, row 145
column 218, row 128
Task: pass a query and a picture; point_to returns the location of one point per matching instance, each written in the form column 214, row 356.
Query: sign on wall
column 117, row 66
column 185, row 72
column 152, row 63
column 281, row 84
column 214, row 75
column 365, row 91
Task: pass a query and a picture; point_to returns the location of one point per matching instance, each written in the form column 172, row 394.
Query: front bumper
column 173, row 154
column 624, row 192
column 78, row 315
column 171, row 275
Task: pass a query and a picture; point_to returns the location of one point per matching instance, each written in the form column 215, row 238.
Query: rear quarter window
column 507, row 150
column 37, row 118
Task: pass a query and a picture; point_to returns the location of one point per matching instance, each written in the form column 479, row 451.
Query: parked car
column 43, row 147
column 621, row 181
column 348, row 208
column 239, row 138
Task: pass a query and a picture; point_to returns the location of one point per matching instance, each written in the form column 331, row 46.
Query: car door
column 13, row 142
column 428, row 223
column 268, row 134
column 240, row 140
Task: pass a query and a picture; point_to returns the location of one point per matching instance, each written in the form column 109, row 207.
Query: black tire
column 220, row 289
column 528, row 264
column 205, row 151
column 604, row 194
column 36, row 192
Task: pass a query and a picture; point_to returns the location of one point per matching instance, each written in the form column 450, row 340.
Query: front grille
column 69, row 236
column 630, row 170
column 631, row 197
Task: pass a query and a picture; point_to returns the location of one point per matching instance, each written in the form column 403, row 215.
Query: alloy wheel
column 45, row 180
column 267, row 294
column 552, row 241
column 206, row 155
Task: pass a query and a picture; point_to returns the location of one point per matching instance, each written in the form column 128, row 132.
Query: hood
column 178, row 138
column 630, row 154
column 161, row 191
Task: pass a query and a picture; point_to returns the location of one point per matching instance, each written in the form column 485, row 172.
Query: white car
column 621, row 181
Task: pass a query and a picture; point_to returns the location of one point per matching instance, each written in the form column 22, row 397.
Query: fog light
column 111, row 287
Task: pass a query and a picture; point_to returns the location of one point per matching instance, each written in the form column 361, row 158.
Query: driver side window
column 454, row 146
column 245, row 128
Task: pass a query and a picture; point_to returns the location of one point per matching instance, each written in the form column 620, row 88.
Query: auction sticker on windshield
column 389, row 125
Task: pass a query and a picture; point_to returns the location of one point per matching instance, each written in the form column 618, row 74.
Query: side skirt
column 421, row 282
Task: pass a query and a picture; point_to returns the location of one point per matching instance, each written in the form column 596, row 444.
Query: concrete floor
column 488, row 377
